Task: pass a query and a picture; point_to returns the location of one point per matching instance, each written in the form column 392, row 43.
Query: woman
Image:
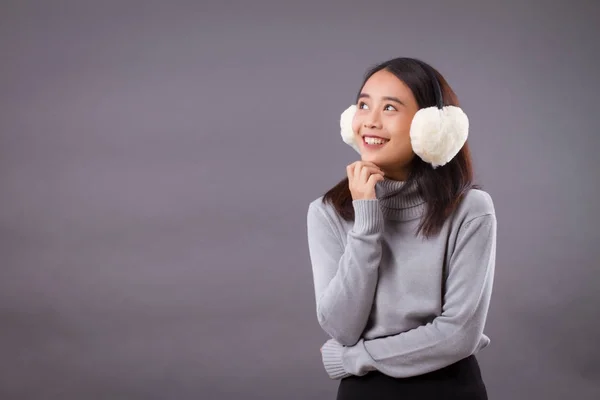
column 403, row 249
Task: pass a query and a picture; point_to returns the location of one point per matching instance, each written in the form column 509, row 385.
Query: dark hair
column 442, row 188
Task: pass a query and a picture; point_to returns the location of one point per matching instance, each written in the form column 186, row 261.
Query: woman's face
column 385, row 109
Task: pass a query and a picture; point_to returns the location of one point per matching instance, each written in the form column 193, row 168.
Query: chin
column 379, row 161
column 387, row 163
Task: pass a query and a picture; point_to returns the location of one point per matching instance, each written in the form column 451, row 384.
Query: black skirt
column 461, row 380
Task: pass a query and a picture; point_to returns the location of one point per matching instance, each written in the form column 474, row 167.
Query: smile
column 374, row 141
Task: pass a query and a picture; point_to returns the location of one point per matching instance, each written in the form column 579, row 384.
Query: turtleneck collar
column 399, row 201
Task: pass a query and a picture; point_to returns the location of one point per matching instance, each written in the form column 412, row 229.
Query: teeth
column 370, row 140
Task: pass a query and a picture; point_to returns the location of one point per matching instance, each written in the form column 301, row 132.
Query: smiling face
column 385, row 109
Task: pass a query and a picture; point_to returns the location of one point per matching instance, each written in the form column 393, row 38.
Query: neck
column 397, row 172
column 400, row 175
column 399, row 200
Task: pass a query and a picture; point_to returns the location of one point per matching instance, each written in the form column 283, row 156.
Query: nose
column 372, row 121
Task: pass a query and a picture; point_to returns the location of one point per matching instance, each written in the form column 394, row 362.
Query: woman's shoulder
column 322, row 218
column 320, row 207
column 475, row 203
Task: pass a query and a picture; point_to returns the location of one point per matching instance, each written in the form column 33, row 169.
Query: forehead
column 384, row 83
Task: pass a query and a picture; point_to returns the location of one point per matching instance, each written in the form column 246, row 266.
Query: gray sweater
column 395, row 302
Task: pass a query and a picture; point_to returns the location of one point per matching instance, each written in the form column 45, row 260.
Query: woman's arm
column 452, row 336
column 345, row 277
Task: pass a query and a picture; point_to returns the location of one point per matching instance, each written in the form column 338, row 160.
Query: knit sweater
column 394, row 301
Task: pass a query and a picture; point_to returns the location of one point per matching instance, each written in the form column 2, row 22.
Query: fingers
column 350, row 172
column 373, row 179
column 362, row 170
column 362, row 177
column 368, row 163
column 366, row 171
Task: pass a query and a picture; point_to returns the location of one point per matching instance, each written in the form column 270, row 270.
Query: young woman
column 403, row 249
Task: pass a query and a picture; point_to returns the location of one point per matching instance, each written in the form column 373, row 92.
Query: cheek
column 399, row 128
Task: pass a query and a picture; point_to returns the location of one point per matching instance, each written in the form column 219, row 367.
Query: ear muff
column 348, row 135
column 437, row 133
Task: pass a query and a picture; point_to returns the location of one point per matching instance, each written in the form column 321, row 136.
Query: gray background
column 157, row 160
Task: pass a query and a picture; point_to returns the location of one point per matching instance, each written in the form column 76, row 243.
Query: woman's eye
column 389, row 107
column 362, row 105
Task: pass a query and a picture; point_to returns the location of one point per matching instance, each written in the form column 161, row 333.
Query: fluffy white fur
column 436, row 135
column 348, row 135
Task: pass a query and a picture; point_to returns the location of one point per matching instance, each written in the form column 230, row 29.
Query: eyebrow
column 390, row 98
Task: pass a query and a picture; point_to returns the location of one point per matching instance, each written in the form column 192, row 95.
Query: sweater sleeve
column 450, row 337
column 345, row 277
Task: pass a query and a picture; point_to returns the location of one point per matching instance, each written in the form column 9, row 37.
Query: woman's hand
column 362, row 177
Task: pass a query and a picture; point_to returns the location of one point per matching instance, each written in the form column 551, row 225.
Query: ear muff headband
column 438, row 133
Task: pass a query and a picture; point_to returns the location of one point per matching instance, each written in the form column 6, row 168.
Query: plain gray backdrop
column 157, row 160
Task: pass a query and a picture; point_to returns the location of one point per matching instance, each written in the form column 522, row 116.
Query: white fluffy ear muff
column 437, row 135
column 348, row 135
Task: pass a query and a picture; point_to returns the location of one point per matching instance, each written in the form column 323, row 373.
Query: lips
column 374, row 140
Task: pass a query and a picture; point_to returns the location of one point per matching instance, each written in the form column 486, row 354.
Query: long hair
column 442, row 188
